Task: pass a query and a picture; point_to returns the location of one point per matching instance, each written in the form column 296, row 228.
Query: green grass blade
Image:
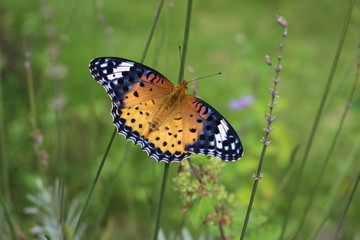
column 96, row 179
column 8, row 220
column 185, row 42
column 347, row 206
column 163, row 187
column 330, row 152
column 318, row 116
column 152, row 31
column 115, row 130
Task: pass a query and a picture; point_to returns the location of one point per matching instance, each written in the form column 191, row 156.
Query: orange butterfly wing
column 192, row 126
column 208, row 132
column 137, row 93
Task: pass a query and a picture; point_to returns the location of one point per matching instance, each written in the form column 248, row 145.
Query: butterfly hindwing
column 164, row 144
column 214, row 134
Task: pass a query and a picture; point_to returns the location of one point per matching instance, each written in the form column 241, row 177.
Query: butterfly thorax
column 173, row 100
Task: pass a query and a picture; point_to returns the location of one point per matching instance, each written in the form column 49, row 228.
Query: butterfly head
column 183, row 84
column 182, row 87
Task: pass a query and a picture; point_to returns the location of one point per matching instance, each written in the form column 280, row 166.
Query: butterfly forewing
column 128, row 82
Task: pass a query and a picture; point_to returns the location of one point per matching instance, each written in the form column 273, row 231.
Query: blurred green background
column 65, row 130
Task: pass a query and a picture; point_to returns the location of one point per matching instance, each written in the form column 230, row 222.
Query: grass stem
column 163, row 187
column 285, row 180
column 8, row 219
column 335, row 201
column 152, row 31
column 270, row 118
column 330, row 152
column 185, row 42
column 4, row 161
column 317, row 118
column 96, row 179
column 115, row 130
column 347, row 206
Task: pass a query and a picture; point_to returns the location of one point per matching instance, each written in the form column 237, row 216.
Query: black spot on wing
column 118, row 75
column 147, row 146
column 217, row 137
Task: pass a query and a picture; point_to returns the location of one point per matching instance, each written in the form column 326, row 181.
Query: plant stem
column 95, row 180
column 318, row 117
column 265, row 140
column 347, row 206
column 331, row 212
column 185, row 43
column 163, row 187
column 222, row 232
column 152, row 31
column 329, row 154
column 4, row 162
column 8, row 219
column 115, row 130
column 285, row 180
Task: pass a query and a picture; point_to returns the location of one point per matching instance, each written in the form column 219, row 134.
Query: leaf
column 46, row 237
column 200, row 208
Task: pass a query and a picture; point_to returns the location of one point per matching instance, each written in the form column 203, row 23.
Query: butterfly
column 169, row 124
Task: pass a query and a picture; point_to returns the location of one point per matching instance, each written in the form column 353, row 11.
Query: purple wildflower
column 241, row 103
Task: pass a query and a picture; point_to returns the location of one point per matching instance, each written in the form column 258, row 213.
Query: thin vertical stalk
column 5, row 191
column 331, row 212
column 332, row 147
column 317, row 117
column 95, row 180
column 115, row 130
column 347, row 206
column 270, row 118
column 163, row 187
column 199, row 179
column 31, row 91
column 110, row 192
column 284, row 181
column 222, row 233
column 8, row 219
column 186, row 40
column 181, row 75
column 152, row 31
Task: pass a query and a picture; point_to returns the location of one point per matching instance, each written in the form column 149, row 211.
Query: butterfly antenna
column 196, row 79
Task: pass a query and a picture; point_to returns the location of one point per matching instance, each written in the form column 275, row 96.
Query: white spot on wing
column 221, row 136
column 224, row 129
column 117, row 72
column 218, row 140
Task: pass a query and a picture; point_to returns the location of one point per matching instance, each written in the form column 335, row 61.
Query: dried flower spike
column 267, row 60
column 282, row 21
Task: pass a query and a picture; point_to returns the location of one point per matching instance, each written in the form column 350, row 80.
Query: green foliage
column 48, row 212
column 73, row 123
column 200, row 209
column 206, row 202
